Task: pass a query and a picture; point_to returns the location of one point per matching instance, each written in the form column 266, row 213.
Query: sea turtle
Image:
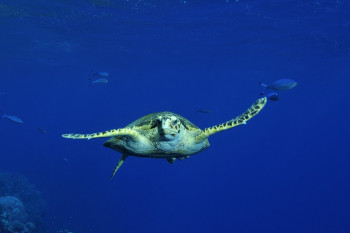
column 164, row 135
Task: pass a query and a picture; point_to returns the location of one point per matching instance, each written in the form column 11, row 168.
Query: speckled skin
column 160, row 135
column 165, row 135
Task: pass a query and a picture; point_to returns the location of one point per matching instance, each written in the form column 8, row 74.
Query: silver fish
column 14, row 119
column 280, row 85
column 103, row 74
column 98, row 81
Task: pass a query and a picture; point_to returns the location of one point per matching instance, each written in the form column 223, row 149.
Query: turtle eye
column 175, row 122
column 155, row 123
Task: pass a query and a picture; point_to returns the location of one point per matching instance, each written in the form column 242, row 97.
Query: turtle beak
column 165, row 129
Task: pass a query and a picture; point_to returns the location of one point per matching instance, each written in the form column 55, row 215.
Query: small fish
column 203, row 110
column 14, row 119
column 41, row 130
column 280, row 85
column 272, row 96
column 102, row 74
column 98, row 81
column 66, row 160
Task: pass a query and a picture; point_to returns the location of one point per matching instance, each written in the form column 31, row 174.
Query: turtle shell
column 151, row 119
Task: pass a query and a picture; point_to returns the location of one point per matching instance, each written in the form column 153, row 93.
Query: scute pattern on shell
column 150, row 120
column 165, row 135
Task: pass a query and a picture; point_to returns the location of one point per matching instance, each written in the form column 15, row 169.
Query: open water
column 286, row 170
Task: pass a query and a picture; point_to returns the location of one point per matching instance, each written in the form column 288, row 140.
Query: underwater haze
column 87, row 66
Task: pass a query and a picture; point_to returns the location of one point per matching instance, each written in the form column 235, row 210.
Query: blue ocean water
column 287, row 170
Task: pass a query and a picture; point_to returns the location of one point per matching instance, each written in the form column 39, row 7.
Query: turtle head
column 169, row 127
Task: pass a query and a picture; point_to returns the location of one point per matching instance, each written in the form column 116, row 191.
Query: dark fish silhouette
column 203, row 110
column 41, row 130
column 272, row 96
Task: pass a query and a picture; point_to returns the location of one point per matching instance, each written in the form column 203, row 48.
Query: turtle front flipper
column 242, row 119
column 106, row 134
column 119, row 164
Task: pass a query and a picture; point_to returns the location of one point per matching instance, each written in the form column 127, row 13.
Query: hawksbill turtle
column 164, row 135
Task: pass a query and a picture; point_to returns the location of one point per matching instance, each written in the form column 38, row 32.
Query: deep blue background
column 287, row 170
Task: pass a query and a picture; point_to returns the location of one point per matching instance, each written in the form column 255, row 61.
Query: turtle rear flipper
column 119, row 164
column 106, row 134
column 242, row 119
